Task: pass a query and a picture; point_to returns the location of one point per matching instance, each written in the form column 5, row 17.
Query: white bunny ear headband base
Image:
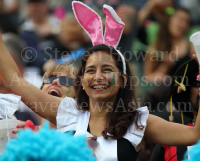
column 123, row 61
column 91, row 22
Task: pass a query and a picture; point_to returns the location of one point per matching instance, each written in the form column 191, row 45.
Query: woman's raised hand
column 19, row 127
column 24, row 125
column 8, row 68
column 41, row 103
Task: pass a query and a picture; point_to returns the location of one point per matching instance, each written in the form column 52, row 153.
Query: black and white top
column 69, row 118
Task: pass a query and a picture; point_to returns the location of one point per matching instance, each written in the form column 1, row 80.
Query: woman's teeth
column 54, row 92
column 100, row 87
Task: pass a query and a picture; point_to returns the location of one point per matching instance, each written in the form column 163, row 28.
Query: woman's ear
column 125, row 80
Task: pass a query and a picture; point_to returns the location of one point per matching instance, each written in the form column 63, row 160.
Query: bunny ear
column 114, row 27
column 90, row 22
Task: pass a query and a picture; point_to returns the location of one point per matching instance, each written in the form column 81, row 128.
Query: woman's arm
column 149, row 7
column 40, row 102
column 148, row 66
column 167, row 133
column 151, row 65
column 156, row 66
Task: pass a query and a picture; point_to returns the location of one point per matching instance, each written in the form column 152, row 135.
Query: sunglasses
column 64, row 80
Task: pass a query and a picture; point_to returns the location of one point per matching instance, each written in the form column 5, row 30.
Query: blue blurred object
column 47, row 145
column 194, row 153
column 66, row 59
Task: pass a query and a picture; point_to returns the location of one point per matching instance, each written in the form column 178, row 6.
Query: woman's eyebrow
column 103, row 66
column 107, row 65
column 91, row 66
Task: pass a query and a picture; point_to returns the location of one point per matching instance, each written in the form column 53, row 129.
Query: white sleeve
column 67, row 115
column 9, row 103
column 135, row 135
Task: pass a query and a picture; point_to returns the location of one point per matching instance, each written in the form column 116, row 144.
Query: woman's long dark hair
column 164, row 38
column 123, row 115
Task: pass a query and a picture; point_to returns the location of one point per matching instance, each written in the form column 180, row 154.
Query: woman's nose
column 56, row 82
column 98, row 76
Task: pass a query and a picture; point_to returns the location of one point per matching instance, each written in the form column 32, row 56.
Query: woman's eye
column 89, row 71
column 108, row 70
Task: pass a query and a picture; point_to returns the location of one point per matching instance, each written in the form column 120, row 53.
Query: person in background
column 10, row 9
column 57, row 81
column 171, row 48
column 193, row 7
column 15, row 45
column 154, row 10
column 158, row 101
column 40, row 32
column 9, row 6
column 53, row 5
column 154, row 7
column 17, row 48
column 186, row 101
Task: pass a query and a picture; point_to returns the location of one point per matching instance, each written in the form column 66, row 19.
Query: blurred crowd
column 41, row 33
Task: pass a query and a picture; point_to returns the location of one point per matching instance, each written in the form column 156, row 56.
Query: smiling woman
column 58, row 81
column 104, row 83
column 106, row 108
column 106, row 96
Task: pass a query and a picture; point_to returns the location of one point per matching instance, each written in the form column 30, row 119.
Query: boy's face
column 37, row 10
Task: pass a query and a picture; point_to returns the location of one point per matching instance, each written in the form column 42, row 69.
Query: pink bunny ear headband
column 91, row 22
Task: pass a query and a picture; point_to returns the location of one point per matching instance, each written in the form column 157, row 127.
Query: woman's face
column 179, row 23
column 101, row 80
column 58, row 90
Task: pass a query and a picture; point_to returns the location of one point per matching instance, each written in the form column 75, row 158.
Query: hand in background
column 156, row 4
column 24, row 125
column 195, row 57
